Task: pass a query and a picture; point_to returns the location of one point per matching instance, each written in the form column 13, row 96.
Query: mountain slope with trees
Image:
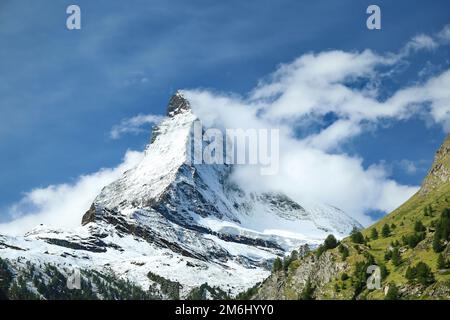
column 410, row 246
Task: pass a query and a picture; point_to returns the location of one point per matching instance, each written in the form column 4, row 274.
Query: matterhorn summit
column 170, row 225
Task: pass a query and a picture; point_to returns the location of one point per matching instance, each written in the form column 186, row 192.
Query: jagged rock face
column 317, row 270
column 185, row 222
column 439, row 173
column 177, row 104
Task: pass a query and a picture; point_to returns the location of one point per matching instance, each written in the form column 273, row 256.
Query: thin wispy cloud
column 412, row 167
column 425, row 42
column 421, row 42
column 444, row 34
column 134, row 125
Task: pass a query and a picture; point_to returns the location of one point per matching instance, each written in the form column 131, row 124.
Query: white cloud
column 318, row 84
column 308, row 171
column 408, row 166
column 426, row 42
column 421, row 42
column 63, row 205
column 348, row 86
column 437, row 92
column 444, row 34
column 133, row 125
column 332, row 137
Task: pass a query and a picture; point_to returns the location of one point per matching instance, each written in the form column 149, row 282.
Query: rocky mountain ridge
column 171, row 223
column 439, row 173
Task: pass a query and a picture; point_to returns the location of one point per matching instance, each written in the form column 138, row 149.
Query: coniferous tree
column 437, row 246
column 307, row 292
column 370, row 258
column 413, row 240
column 357, row 237
column 286, row 262
column 410, row 273
column 430, row 210
column 294, row 255
column 419, row 227
column 384, row 272
column 420, row 273
column 343, row 251
column 424, row 274
column 330, row 242
column 444, row 224
column 385, row 231
column 277, row 265
column 321, row 249
column 392, row 293
column 388, row 255
column 359, row 276
column 441, row 263
column 374, row 234
column 396, row 258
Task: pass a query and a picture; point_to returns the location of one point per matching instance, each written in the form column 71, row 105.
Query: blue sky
column 62, row 91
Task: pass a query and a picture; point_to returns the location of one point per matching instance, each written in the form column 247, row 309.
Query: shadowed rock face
column 89, row 216
column 318, row 270
column 439, row 173
column 177, row 105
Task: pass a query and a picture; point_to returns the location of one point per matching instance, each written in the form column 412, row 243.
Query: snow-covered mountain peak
column 185, row 222
column 167, row 151
column 201, row 197
column 177, row 104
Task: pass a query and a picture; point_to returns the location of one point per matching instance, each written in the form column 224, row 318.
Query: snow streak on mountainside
column 182, row 221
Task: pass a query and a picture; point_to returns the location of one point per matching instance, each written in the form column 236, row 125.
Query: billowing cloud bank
column 345, row 87
column 63, row 205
